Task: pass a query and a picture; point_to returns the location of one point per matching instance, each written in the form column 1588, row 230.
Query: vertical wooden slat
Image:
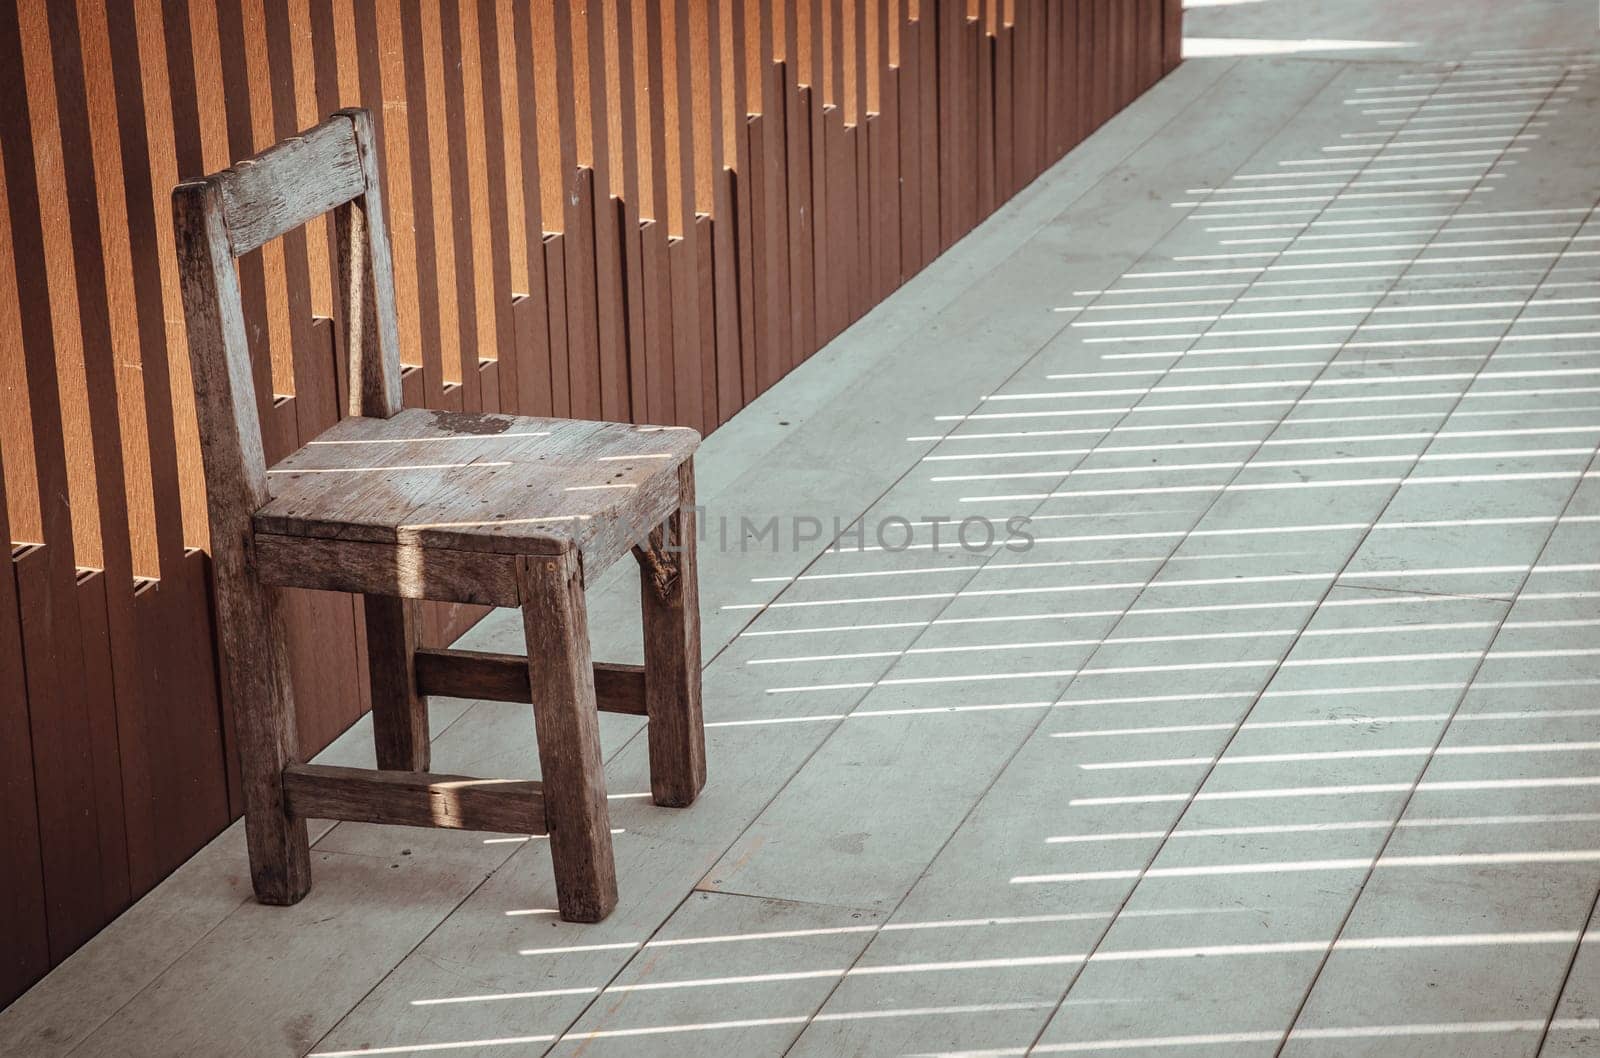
column 909, row 87
column 715, row 197
column 622, row 135
column 578, row 230
column 594, row 136
column 735, row 107
column 928, row 97
column 316, row 394
column 948, row 14
column 844, row 231
column 886, row 155
column 1091, row 87
column 655, row 205
column 1133, row 49
column 1058, row 100
column 377, row 25
column 970, row 33
column 491, row 203
column 144, row 176
column 1104, row 42
column 97, row 608
column 768, row 159
column 139, row 35
column 1151, row 49
column 865, row 294
column 705, row 287
column 438, row 70
column 1171, row 35
column 555, row 277
column 238, row 105
column 531, row 313
column 404, row 84
column 802, row 215
column 814, row 105
column 689, row 328
column 1027, row 91
column 317, row 92
column 1072, row 112
column 626, row 135
column 1112, row 32
column 985, row 197
column 1005, row 179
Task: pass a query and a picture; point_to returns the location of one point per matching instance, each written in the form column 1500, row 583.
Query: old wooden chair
column 401, row 505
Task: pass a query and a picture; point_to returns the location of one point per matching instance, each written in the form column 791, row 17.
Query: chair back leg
column 255, row 656
column 670, row 600
column 399, row 713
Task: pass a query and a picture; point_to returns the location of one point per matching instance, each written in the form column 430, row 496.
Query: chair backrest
column 333, row 166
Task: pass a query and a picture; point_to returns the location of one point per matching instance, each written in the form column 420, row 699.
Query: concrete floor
column 1279, row 739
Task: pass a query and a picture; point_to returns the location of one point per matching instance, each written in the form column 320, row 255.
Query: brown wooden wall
column 638, row 209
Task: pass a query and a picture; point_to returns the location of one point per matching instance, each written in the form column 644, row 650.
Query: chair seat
column 465, row 481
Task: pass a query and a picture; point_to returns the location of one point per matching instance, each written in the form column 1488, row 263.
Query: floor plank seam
column 334, row 1027
column 133, row 998
column 788, row 900
column 1566, row 976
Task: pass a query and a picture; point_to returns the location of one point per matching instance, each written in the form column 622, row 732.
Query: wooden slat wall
column 640, row 209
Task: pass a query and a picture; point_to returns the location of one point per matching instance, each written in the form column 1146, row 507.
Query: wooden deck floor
column 1280, row 739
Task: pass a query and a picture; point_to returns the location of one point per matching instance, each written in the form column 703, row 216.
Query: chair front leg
column 670, row 600
column 561, row 678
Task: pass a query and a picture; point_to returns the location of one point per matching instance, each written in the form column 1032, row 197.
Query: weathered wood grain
column 414, row 799
column 504, row 678
column 366, row 279
column 366, row 568
column 669, row 595
column 507, row 484
column 250, row 633
column 288, row 184
column 561, row 679
column 399, row 709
